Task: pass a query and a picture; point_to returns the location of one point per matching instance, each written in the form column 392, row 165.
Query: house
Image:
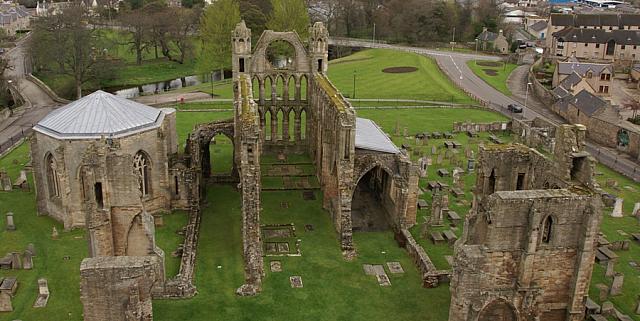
column 577, row 76
column 600, row 44
column 538, row 29
column 493, row 42
column 13, row 17
column 579, row 108
column 608, row 21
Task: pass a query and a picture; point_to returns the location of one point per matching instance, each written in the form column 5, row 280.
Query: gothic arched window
column 52, row 176
column 547, row 229
column 141, row 166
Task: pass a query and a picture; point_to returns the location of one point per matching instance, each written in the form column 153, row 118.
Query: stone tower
column 528, row 247
column 319, row 47
column 241, row 50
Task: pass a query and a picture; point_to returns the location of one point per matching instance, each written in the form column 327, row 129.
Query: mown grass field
column 494, row 73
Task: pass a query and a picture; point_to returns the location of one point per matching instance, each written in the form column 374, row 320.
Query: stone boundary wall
column 46, row 88
column 430, row 275
column 541, row 92
column 459, row 127
column 182, row 286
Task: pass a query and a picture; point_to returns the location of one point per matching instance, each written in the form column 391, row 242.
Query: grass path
column 496, row 75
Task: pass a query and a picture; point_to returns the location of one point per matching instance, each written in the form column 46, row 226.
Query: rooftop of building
column 370, row 136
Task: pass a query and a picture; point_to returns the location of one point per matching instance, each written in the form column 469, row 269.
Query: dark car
column 515, row 108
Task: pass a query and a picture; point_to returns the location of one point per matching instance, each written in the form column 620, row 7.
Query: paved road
column 37, row 102
column 454, row 65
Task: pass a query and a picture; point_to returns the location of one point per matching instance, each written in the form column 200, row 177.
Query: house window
column 597, row 45
column 141, row 167
column 606, row 89
column 622, row 47
column 547, row 229
column 589, row 74
column 52, row 176
column 605, row 76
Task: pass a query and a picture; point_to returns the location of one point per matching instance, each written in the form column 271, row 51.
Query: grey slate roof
column 538, row 26
column 588, row 103
column 369, row 136
column 567, row 68
column 595, row 20
column 487, row 36
column 560, row 92
column 622, row 37
column 100, row 114
column 571, row 81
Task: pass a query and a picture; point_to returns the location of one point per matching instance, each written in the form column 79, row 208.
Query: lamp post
column 476, row 57
column 374, row 33
column 354, row 84
column 526, row 95
column 211, row 84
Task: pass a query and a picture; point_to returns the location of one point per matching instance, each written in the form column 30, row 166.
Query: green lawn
column 426, row 83
column 494, row 75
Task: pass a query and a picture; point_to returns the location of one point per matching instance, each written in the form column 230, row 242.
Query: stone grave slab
column 443, row 172
column 271, row 247
column 6, row 262
column 447, row 144
column 395, row 267
column 436, row 135
column 275, row 266
column 450, row 236
column 422, row 204
column 296, row 281
column 43, row 294
column 436, row 238
column 432, row 185
column 10, row 226
column 443, row 186
column 308, row 227
column 5, row 302
column 383, row 280
column 9, row 285
column 27, row 263
column 448, row 135
column 454, row 218
column 457, row 192
column 456, row 145
column 373, row 269
column 283, row 247
column 277, row 233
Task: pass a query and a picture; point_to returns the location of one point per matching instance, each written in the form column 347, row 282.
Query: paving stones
column 275, row 266
column 296, row 281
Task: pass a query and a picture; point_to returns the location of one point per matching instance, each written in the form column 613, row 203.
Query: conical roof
column 100, row 114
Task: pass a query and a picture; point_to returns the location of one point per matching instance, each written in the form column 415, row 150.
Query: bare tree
column 632, row 105
column 174, row 30
column 138, row 24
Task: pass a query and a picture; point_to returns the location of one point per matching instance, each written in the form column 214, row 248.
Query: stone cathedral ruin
column 111, row 166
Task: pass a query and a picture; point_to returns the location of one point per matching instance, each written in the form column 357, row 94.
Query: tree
column 216, row 24
column 174, row 32
column 255, row 15
column 289, row 15
column 69, row 40
column 632, row 105
column 138, row 25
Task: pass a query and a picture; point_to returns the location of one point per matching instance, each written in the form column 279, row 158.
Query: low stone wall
column 46, row 88
column 541, row 92
column 459, row 127
column 182, row 286
column 430, row 275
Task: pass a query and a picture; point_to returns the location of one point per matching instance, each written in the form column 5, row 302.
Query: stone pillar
column 10, row 224
column 296, row 127
column 616, row 285
column 285, row 127
column 261, row 92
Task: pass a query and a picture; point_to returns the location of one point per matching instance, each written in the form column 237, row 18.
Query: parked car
column 515, row 108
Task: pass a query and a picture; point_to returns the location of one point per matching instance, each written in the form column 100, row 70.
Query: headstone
column 54, row 233
column 440, row 159
column 27, row 263
column 5, row 180
column 625, row 245
column 638, row 306
column 603, row 291
column 422, row 162
column 296, row 281
column 10, row 224
column 636, row 210
column 617, row 208
column 397, row 129
column 616, row 285
column 610, row 272
column 456, row 178
column 22, row 182
column 395, row 267
column 434, row 150
column 467, row 152
column 43, row 294
column 607, row 308
column 471, row 165
column 405, row 131
column 373, row 269
column 383, row 280
column 32, row 249
column 5, row 302
column 275, row 266
column 612, row 182
column 16, row 261
column 436, row 209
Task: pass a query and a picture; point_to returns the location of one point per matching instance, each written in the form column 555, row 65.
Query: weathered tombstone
column 436, row 209
column 636, row 210
column 440, row 159
column 610, row 268
column 405, row 131
column 5, row 302
column 471, row 165
column 296, row 281
column 395, row 267
column 5, row 180
column 10, row 224
column 638, row 306
column 16, row 261
column 616, row 285
column 434, row 150
column 43, row 294
column 397, row 129
column 22, row 182
column 617, row 208
column 423, row 167
column 383, row 280
column 54, row 233
column 611, row 182
column 625, row 245
column 603, row 291
column 32, row 249
column 607, row 308
column 275, row 266
column 27, row 263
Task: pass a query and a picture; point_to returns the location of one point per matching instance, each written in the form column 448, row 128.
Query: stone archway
column 202, row 137
column 368, row 210
column 498, row 310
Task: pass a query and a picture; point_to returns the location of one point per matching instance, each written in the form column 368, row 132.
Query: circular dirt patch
column 399, row 70
column 490, row 72
column 489, row 63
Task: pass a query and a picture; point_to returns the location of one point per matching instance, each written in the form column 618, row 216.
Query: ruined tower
column 241, row 50
column 528, row 246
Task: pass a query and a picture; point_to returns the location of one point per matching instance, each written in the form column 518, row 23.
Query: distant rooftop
column 100, row 114
column 371, row 137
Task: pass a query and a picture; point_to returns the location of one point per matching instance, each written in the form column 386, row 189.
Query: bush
column 635, row 120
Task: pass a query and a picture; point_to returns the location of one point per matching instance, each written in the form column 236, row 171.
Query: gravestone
column 429, row 161
column 296, row 281
column 22, row 182
column 440, row 159
column 395, row 267
column 10, row 224
column 405, row 131
column 636, row 210
column 275, row 266
column 607, row 308
column 456, row 178
column 5, row 180
column 471, row 165
column 467, row 152
column 54, row 233
column 43, row 294
column 373, row 269
column 27, row 264
column 436, row 209
column 383, row 280
column 610, row 272
column 16, row 261
column 616, row 285
column 422, row 162
column 397, row 129
column 603, row 291
column 434, row 150
column 32, row 249
column 611, row 182
column 617, row 208
column 5, row 302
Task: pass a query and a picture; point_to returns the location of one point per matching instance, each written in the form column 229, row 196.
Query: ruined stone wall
column 497, row 126
column 535, row 134
column 119, row 288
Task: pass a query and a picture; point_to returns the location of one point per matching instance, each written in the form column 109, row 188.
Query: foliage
column 290, row 15
column 216, row 24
